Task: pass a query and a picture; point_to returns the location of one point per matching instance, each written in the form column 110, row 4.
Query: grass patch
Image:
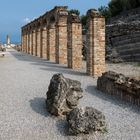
column 104, row 130
column 138, row 64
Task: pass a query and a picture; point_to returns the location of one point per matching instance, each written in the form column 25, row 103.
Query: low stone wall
column 123, row 34
column 125, row 38
column 118, row 85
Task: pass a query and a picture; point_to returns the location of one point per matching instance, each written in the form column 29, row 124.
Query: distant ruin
column 57, row 36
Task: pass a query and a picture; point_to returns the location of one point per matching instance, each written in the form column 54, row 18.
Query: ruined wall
column 118, row 85
column 123, row 34
column 126, row 39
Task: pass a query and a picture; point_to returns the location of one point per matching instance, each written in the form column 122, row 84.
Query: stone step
column 128, row 46
column 126, row 36
column 128, row 40
column 131, row 58
column 130, row 51
column 122, row 29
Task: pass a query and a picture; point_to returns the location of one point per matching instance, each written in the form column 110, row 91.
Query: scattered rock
column 63, row 95
column 85, row 120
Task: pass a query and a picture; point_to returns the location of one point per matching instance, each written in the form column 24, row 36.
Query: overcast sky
column 16, row 13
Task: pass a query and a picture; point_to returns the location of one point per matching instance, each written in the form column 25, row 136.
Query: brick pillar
column 44, row 42
column 24, row 47
column 23, row 40
column 38, row 41
column 61, row 38
column 26, row 42
column 95, row 43
column 34, row 42
column 51, row 43
column 41, row 47
column 30, row 42
column 74, row 42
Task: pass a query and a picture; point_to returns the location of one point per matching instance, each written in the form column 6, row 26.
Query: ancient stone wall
column 125, row 39
column 57, row 36
column 118, row 85
column 123, row 33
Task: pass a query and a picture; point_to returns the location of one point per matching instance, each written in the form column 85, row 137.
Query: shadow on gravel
column 113, row 99
column 66, row 71
column 47, row 65
column 62, row 126
column 39, row 106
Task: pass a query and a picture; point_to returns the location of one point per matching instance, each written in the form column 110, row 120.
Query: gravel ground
column 24, row 80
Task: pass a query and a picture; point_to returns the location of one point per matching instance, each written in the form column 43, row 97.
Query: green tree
column 104, row 11
column 116, row 6
column 133, row 4
column 83, row 20
column 74, row 11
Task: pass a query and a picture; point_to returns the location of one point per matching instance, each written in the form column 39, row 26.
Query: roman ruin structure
column 123, row 33
column 57, row 36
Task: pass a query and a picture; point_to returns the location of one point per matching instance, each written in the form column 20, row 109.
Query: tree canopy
column 74, row 11
column 115, row 7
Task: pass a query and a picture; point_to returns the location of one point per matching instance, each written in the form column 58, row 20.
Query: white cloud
column 34, row 18
column 26, row 20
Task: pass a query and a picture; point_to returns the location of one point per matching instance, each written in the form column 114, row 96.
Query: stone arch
column 52, row 19
column 61, row 32
column 44, row 21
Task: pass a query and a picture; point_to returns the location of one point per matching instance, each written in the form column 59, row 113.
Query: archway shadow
column 114, row 99
column 47, row 65
column 39, row 106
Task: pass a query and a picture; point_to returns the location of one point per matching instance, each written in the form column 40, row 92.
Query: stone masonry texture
column 57, row 36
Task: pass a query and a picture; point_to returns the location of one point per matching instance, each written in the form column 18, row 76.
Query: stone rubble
column 63, row 95
column 85, row 120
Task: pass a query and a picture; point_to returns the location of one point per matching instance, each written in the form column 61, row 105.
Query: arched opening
column 52, row 19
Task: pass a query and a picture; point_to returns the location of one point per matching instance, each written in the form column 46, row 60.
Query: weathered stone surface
column 57, row 36
column 123, row 33
column 112, row 55
column 85, row 120
column 117, row 84
column 74, row 42
column 63, row 94
column 96, row 48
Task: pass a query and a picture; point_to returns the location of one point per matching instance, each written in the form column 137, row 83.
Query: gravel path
column 24, row 80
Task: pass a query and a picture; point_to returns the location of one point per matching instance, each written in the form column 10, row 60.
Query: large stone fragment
column 63, row 94
column 118, row 84
column 85, row 120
